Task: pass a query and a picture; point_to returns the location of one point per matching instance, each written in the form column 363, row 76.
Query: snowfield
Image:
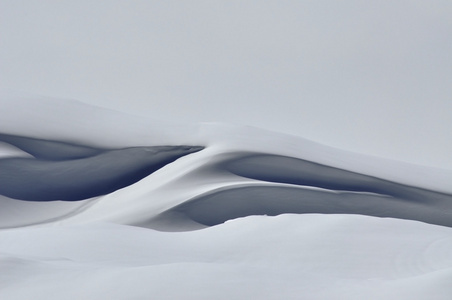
column 97, row 204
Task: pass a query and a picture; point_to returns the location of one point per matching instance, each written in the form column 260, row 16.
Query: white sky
column 368, row 76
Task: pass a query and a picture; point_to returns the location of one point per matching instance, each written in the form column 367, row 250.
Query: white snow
column 369, row 244
column 284, row 257
column 8, row 150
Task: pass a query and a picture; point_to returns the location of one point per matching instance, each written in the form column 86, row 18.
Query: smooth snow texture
column 284, row 257
column 121, row 170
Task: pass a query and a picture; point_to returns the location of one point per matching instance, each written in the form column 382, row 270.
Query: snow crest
column 111, row 203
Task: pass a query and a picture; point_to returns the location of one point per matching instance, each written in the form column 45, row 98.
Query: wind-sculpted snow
column 282, row 169
column 50, row 150
column 256, row 184
column 306, row 187
column 330, row 224
column 62, row 171
column 220, row 206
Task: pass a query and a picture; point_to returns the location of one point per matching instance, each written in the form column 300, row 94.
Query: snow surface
column 99, row 204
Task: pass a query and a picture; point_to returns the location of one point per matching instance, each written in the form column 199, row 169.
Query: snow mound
column 284, row 257
column 87, row 200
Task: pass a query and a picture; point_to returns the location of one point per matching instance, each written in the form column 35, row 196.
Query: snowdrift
column 96, row 203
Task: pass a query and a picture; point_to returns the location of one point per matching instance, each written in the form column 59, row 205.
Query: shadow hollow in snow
column 314, row 188
column 219, row 206
column 50, row 150
column 57, row 175
column 282, row 169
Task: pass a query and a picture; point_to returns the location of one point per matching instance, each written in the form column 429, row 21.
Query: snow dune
column 71, row 187
column 257, row 184
column 309, row 187
column 63, row 171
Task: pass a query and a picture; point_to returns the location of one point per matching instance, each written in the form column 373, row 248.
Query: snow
column 218, row 211
column 284, row 257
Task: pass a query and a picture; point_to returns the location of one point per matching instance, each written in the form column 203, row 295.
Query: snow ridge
column 111, row 205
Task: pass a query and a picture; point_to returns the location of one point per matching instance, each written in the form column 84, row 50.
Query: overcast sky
column 368, row 76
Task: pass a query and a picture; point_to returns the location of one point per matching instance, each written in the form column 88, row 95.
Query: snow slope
column 96, row 203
